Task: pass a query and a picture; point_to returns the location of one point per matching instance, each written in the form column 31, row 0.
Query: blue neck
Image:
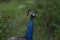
column 29, row 34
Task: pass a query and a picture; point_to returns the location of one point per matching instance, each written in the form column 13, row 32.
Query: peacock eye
column 33, row 14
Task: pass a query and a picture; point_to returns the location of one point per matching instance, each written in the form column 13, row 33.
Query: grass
column 18, row 16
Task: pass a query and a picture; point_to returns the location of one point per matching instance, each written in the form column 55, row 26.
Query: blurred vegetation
column 13, row 19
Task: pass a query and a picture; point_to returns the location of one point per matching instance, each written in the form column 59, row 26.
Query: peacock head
column 33, row 13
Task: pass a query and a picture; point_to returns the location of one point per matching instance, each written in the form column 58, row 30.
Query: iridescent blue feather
column 29, row 34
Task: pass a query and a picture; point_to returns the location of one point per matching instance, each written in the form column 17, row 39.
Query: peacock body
column 29, row 33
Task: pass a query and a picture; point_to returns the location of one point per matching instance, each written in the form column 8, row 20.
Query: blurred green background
column 13, row 19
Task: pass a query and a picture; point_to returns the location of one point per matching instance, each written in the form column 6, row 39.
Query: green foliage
column 13, row 20
column 49, row 19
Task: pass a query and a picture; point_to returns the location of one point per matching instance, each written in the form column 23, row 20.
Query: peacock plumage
column 29, row 33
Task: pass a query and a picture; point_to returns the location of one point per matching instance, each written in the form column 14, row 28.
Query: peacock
column 29, row 33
